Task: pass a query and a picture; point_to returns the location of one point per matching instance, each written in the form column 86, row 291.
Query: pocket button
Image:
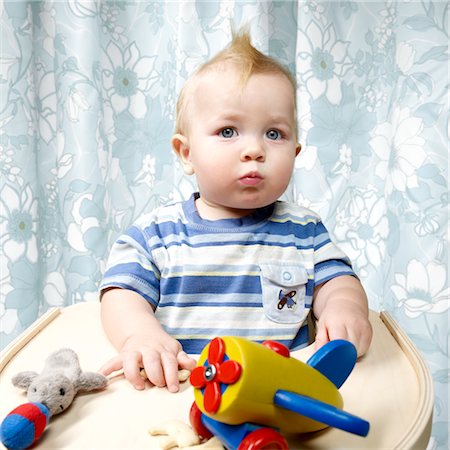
column 287, row 276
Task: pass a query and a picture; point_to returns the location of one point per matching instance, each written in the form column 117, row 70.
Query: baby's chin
column 232, row 208
column 240, row 210
column 251, row 206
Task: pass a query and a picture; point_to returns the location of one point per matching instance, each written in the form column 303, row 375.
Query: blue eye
column 273, row 135
column 227, row 133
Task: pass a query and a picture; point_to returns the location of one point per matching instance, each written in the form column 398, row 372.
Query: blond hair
column 245, row 58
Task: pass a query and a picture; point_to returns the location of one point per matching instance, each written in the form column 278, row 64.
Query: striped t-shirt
column 252, row 277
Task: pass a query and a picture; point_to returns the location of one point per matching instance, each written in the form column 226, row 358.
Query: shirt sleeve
column 130, row 266
column 329, row 260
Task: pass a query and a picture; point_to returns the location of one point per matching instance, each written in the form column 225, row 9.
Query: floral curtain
column 87, row 99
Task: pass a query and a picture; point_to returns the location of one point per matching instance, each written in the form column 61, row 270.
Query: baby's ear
column 24, row 379
column 89, row 381
column 180, row 145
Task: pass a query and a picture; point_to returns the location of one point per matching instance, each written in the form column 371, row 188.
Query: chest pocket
column 283, row 292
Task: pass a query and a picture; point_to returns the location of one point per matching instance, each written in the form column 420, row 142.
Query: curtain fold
column 87, row 99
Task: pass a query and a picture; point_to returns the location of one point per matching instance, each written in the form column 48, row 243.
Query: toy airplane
column 244, row 392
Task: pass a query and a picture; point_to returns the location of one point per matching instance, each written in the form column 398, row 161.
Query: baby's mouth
column 251, row 179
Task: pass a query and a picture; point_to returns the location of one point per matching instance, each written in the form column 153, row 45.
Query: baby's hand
column 159, row 358
column 344, row 323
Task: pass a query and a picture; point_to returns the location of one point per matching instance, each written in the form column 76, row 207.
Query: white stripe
column 231, row 317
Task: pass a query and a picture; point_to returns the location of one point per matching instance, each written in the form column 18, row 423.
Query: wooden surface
column 390, row 387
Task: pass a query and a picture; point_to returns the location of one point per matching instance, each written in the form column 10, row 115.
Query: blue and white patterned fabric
column 87, row 100
column 252, row 277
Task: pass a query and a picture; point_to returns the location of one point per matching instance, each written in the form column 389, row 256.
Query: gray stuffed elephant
column 59, row 382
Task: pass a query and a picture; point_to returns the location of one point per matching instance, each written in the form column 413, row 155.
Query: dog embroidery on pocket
column 287, row 299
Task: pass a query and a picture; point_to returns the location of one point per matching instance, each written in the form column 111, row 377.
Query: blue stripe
column 168, row 234
column 195, row 346
column 265, row 243
column 332, row 268
column 334, row 275
column 135, row 269
column 169, row 228
column 135, row 234
column 331, row 263
column 115, row 284
column 322, row 243
column 232, row 298
column 211, row 285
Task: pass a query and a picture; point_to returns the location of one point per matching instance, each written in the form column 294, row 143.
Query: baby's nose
column 253, row 150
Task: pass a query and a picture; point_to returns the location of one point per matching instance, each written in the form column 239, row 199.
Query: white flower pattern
column 400, row 147
column 322, row 61
column 126, row 78
column 18, row 223
column 362, row 228
column 423, row 289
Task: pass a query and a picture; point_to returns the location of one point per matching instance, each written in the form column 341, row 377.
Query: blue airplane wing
column 321, row 412
column 335, row 360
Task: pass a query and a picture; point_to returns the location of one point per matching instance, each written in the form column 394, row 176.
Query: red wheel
column 195, row 417
column 264, row 438
column 277, row 347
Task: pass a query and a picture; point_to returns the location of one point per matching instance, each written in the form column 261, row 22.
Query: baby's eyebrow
column 278, row 118
column 231, row 116
column 234, row 116
column 280, row 122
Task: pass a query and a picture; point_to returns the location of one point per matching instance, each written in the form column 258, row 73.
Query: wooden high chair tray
column 390, row 387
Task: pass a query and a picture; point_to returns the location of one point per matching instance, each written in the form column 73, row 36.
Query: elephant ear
column 24, row 379
column 89, row 381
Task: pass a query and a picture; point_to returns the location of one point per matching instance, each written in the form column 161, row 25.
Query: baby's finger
column 321, row 336
column 357, row 339
column 131, row 369
column 153, row 368
column 365, row 344
column 170, row 367
column 185, row 361
column 338, row 332
column 111, row 366
column 364, row 339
